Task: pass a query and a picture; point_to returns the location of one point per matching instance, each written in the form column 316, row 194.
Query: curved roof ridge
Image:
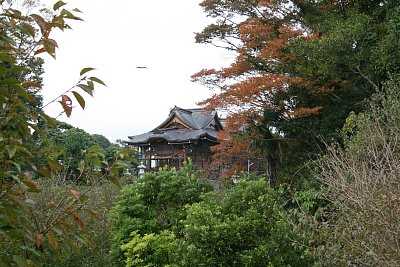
column 181, row 109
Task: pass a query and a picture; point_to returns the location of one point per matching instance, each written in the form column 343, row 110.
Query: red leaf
column 41, row 23
column 76, row 194
column 66, row 103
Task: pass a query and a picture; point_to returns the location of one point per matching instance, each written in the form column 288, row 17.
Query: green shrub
column 154, row 203
column 246, row 226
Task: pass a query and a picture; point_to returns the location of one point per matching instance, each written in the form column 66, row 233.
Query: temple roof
column 183, row 125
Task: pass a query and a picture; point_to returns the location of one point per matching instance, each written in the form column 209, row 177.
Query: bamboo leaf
column 83, row 198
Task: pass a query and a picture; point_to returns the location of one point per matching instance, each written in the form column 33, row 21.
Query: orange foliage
column 301, row 112
column 260, row 71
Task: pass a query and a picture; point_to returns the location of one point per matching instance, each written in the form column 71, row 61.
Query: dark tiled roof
column 203, row 124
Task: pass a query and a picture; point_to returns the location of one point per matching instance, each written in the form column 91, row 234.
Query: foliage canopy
column 301, row 67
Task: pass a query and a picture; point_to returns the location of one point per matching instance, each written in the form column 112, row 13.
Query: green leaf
column 88, row 241
column 45, row 172
column 77, row 219
column 86, row 88
column 50, row 47
column 81, row 166
column 28, row 29
column 58, row 5
column 92, row 213
column 97, row 80
column 83, row 198
column 31, row 184
column 11, row 149
column 123, row 153
column 52, row 239
column 55, row 166
column 85, row 70
column 16, row 165
column 20, row 261
column 67, row 14
column 96, row 150
column 57, row 230
column 79, row 98
column 16, row 85
column 114, row 180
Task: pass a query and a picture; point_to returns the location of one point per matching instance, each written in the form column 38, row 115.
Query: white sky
column 115, row 38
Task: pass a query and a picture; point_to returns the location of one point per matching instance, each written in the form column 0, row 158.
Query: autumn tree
column 300, row 68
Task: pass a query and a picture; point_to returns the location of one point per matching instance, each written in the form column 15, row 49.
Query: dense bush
column 164, row 221
column 153, row 204
column 362, row 182
column 246, row 226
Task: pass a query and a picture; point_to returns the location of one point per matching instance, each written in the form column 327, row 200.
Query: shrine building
column 186, row 133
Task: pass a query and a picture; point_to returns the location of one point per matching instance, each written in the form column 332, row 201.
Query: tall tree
column 306, row 64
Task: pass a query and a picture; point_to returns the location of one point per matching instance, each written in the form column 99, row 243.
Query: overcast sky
column 115, row 38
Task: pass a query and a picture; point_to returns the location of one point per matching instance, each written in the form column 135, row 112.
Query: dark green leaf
column 86, row 88
column 11, row 149
column 114, row 180
column 20, row 261
column 58, row 5
column 28, row 29
column 85, row 70
column 97, row 80
column 80, row 99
